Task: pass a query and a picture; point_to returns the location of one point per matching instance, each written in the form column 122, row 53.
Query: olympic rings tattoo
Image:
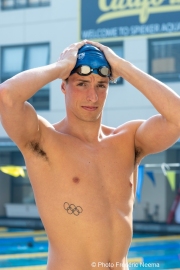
column 72, row 209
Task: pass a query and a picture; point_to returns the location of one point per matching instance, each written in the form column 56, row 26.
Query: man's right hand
column 114, row 60
column 68, row 59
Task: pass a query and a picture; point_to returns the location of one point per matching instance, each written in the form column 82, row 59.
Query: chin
column 90, row 118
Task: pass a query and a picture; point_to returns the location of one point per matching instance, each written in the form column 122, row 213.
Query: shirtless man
column 82, row 171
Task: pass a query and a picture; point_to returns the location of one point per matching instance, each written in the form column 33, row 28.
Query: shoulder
column 125, row 135
column 128, row 127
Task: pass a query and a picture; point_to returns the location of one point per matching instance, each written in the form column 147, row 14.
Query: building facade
column 34, row 32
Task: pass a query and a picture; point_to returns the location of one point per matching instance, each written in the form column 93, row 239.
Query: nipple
column 131, row 182
column 76, row 179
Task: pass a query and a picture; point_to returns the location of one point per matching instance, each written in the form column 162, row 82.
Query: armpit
column 137, row 154
column 35, row 147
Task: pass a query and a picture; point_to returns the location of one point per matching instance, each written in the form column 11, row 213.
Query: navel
column 76, row 179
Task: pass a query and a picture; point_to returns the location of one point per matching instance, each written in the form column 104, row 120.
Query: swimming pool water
column 20, row 248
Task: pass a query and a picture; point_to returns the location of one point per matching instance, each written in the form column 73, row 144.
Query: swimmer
column 82, row 172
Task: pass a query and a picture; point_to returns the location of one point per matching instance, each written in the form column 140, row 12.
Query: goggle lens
column 105, row 71
column 84, row 70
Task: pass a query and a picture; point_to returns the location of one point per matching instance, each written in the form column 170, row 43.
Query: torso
column 99, row 178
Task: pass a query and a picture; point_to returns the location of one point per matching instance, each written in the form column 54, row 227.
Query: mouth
column 90, row 108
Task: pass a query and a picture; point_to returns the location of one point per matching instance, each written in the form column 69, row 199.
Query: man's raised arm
column 18, row 117
column 160, row 131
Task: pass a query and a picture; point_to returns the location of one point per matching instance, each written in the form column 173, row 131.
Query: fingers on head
column 77, row 44
column 97, row 44
column 80, row 44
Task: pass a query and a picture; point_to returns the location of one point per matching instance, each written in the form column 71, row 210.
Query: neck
column 87, row 131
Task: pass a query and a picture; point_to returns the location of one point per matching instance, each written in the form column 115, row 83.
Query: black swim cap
column 91, row 56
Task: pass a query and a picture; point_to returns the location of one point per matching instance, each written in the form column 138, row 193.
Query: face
column 85, row 96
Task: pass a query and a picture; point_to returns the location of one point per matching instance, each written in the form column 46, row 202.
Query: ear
column 63, row 86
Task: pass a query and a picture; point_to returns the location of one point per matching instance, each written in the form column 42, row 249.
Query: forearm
column 25, row 84
column 163, row 98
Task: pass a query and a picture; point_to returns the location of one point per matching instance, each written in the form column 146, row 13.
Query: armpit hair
column 137, row 154
column 35, row 147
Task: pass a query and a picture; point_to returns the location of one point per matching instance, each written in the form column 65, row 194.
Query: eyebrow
column 82, row 80
column 103, row 82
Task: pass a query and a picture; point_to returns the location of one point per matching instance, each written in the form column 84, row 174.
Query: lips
column 90, row 108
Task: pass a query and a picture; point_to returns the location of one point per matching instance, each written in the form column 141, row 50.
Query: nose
column 92, row 94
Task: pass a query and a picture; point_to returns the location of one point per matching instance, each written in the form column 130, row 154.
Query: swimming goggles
column 86, row 70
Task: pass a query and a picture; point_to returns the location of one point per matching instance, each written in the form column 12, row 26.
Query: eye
column 81, row 84
column 102, row 86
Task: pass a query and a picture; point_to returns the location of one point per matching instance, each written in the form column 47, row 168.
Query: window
column 18, row 58
column 117, row 47
column 15, row 4
column 164, row 59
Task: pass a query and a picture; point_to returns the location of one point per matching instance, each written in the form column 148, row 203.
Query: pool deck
column 35, row 223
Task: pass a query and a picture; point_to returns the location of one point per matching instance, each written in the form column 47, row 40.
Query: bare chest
column 83, row 172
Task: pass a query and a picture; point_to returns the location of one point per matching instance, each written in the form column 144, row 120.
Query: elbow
column 2, row 94
column 176, row 124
